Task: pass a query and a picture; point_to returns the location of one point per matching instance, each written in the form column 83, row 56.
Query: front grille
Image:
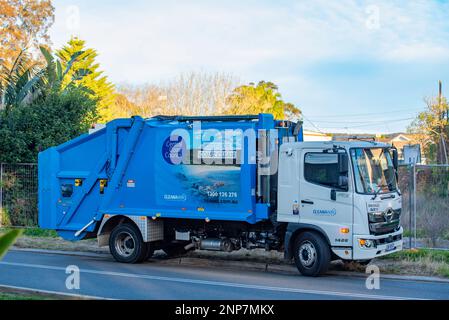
column 382, row 216
column 384, row 222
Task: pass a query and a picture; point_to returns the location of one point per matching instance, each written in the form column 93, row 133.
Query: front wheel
column 126, row 244
column 312, row 254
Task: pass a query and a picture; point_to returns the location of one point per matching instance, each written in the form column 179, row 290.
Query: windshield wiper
column 389, row 186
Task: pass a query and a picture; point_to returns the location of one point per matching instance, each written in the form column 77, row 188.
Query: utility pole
column 443, row 114
column 440, row 118
column 440, row 98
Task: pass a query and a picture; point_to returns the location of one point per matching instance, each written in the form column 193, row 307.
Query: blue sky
column 351, row 66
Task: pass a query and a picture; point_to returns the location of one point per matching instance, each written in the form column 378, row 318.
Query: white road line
column 215, row 283
column 53, row 292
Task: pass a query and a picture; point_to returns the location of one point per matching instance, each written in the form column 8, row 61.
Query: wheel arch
column 294, row 230
column 108, row 224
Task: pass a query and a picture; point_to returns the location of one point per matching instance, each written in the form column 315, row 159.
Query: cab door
column 326, row 197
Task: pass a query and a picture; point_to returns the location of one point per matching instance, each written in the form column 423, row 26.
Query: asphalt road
column 102, row 277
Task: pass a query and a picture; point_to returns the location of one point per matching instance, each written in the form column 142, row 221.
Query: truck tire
column 126, row 244
column 312, row 254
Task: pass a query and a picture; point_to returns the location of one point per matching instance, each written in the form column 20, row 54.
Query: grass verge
column 419, row 261
column 34, row 232
column 16, row 295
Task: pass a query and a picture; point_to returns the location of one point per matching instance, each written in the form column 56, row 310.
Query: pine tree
column 85, row 72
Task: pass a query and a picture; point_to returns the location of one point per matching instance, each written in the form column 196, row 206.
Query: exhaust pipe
column 216, row 245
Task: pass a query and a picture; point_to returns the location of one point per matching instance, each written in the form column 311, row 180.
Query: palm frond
column 51, row 69
column 33, row 84
column 19, row 81
column 7, row 240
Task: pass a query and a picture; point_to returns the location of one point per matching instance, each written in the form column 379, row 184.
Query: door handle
column 306, row 202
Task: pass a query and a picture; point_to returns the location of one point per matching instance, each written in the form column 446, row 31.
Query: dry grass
column 419, row 262
column 59, row 244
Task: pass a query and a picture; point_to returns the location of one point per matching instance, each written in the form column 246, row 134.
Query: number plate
column 390, row 247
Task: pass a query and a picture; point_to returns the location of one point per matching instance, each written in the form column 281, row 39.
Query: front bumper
column 385, row 244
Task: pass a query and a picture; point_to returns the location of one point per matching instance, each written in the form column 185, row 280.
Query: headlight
column 366, row 243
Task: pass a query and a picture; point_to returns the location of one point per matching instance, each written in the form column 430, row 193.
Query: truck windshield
column 373, row 170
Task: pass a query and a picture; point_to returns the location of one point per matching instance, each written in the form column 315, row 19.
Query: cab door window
column 322, row 169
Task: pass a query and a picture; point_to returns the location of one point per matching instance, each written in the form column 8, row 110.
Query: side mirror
column 343, row 168
column 395, row 158
column 343, row 164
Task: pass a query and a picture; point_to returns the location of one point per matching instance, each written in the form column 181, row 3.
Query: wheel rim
column 125, row 244
column 307, row 254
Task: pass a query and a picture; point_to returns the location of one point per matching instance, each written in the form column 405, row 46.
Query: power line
column 305, row 118
column 365, row 114
column 362, row 122
column 372, row 123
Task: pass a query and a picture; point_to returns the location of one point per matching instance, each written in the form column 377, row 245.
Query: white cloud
column 152, row 40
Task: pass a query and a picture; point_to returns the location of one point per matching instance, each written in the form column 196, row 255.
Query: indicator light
column 367, row 243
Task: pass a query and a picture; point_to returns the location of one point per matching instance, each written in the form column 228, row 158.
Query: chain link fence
column 18, row 195
column 425, row 205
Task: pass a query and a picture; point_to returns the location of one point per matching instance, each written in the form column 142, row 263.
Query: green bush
column 50, row 120
column 34, row 232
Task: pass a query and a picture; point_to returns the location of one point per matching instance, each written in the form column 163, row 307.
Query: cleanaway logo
column 175, row 197
column 321, row 212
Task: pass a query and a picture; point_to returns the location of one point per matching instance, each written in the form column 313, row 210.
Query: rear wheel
column 312, row 254
column 126, row 244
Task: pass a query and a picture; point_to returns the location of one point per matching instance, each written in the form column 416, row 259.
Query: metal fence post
column 410, row 204
column 414, row 205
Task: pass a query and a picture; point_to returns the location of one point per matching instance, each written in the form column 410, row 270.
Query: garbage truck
column 223, row 183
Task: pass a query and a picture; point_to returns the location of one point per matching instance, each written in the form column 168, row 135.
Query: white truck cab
column 347, row 191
